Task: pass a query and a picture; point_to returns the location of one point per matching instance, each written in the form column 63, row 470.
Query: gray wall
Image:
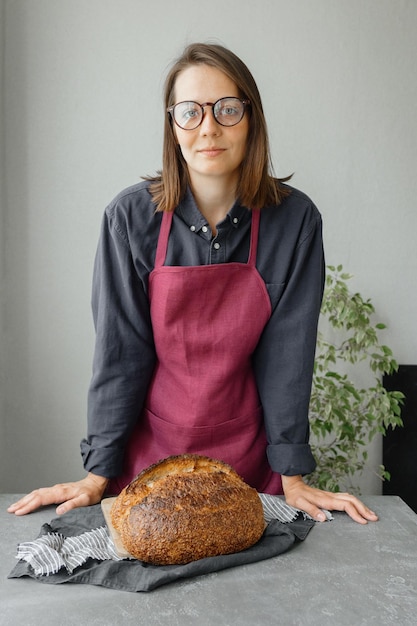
column 81, row 118
column 2, row 258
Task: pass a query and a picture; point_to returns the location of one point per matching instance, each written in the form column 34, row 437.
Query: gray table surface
column 342, row 574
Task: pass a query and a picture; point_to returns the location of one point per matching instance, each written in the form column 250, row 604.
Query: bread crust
column 186, row 508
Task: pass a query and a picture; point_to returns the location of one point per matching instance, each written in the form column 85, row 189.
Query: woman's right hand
column 84, row 492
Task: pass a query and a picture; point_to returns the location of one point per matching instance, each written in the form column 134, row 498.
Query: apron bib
column 202, row 399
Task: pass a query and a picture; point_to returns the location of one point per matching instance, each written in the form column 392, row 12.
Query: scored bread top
column 142, row 485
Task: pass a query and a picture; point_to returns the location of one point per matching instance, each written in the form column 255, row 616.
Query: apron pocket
column 240, row 441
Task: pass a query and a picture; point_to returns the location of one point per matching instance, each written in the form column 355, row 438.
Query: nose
column 209, row 125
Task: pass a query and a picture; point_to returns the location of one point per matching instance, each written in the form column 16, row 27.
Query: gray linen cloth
column 77, row 547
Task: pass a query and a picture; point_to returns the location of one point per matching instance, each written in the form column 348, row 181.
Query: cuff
column 291, row 459
column 107, row 462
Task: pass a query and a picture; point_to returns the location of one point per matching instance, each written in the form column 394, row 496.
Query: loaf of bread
column 186, row 508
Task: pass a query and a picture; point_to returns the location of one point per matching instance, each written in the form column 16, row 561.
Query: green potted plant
column 346, row 416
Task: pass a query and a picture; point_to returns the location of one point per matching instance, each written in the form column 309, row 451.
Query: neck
column 214, row 201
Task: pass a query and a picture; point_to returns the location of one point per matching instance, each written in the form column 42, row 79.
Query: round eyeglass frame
column 245, row 102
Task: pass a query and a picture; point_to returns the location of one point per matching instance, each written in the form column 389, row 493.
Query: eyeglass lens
column 226, row 111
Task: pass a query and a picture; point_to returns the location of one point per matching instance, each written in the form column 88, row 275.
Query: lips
column 211, row 151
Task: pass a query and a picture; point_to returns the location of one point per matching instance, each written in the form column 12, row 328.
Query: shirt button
column 192, row 228
column 216, row 245
column 204, row 229
column 235, row 220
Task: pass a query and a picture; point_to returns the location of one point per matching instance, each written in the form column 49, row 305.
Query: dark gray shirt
column 290, row 261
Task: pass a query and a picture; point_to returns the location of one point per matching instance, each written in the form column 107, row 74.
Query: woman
column 206, row 296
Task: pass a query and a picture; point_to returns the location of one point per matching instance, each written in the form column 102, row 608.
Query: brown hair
column 257, row 187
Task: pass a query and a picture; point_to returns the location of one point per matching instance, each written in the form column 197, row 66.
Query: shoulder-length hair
column 256, row 187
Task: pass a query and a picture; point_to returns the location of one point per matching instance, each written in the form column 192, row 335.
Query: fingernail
column 321, row 517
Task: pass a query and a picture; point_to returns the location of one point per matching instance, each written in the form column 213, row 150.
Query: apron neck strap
column 161, row 250
column 256, row 216
column 167, row 216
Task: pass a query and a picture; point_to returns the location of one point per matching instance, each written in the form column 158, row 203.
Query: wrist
column 290, row 481
column 99, row 481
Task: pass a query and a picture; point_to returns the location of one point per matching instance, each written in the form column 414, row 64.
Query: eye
column 229, row 110
column 187, row 112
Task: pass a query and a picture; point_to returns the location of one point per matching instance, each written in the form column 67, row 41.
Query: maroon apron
column 203, row 399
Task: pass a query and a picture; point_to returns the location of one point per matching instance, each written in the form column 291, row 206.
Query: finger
column 351, row 505
column 350, row 509
column 13, row 507
column 37, row 498
column 314, row 500
column 309, row 507
column 83, row 499
column 27, row 504
column 357, row 510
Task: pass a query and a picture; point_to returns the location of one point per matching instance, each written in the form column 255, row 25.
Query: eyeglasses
column 227, row 112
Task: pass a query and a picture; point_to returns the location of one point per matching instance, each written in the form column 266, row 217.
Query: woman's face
column 211, row 151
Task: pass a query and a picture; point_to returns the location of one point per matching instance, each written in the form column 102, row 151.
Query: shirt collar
column 195, row 220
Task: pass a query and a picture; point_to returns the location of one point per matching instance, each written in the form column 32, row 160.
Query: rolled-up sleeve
column 284, row 358
column 124, row 354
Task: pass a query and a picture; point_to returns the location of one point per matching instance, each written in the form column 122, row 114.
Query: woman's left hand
column 312, row 501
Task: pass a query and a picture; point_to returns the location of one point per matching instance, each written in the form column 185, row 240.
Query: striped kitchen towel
column 53, row 551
